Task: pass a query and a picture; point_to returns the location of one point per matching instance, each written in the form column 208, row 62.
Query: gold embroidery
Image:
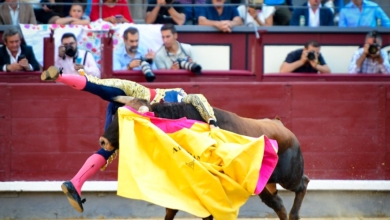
column 129, row 87
column 201, row 104
column 110, row 159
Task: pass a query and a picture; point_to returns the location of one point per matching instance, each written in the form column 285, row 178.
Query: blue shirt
column 211, row 13
column 122, row 58
column 350, row 15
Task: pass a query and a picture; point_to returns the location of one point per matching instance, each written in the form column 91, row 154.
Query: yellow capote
column 201, row 171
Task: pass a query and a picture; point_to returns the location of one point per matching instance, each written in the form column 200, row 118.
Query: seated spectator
column 114, row 11
column 314, row 15
column 362, row 13
column 282, row 15
column 371, row 58
column 43, row 10
column 77, row 13
column 15, row 57
column 13, row 13
column 257, row 13
column 129, row 57
column 192, row 12
column 172, row 50
column 165, row 12
column 306, row 60
column 72, row 59
column 220, row 16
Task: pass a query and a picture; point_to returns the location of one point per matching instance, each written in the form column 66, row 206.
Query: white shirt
column 164, row 59
column 262, row 15
column 14, row 15
column 13, row 59
column 67, row 64
column 314, row 17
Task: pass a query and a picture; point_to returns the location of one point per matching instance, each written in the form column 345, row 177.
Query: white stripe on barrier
column 111, row 186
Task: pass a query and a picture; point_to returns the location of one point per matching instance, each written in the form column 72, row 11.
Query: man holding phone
column 74, row 60
column 15, row 57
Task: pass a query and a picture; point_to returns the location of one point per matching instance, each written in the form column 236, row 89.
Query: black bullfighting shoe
column 73, row 196
column 51, row 73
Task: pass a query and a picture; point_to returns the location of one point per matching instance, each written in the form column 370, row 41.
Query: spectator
column 314, row 15
column 15, row 57
column 165, row 12
column 282, row 15
column 114, row 11
column 44, row 14
column 72, row 59
column 306, row 60
column 257, row 13
column 13, row 13
column 220, row 16
column 167, row 56
column 363, row 13
column 129, row 57
column 371, row 58
column 192, row 12
column 77, row 13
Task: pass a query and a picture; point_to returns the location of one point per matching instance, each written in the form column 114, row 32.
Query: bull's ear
column 123, row 99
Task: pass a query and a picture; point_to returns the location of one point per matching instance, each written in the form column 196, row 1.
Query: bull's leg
column 170, row 214
column 273, row 200
column 299, row 195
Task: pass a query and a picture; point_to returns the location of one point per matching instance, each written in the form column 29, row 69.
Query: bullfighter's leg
column 106, row 89
column 92, row 165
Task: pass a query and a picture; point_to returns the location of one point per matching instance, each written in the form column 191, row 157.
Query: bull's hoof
column 51, row 74
column 73, row 197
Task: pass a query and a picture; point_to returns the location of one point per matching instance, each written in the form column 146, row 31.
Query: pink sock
column 76, row 81
column 90, row 167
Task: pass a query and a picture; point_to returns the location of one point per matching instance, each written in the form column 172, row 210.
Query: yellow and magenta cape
column 182, row 164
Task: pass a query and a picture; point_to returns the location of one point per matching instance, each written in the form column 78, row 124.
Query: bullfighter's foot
column 73, row 197
column 51, row 73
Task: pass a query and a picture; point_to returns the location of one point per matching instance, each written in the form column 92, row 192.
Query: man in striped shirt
column 370, row 59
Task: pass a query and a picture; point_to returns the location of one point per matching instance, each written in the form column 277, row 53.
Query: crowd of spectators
column 16, row 56
column 218, row 13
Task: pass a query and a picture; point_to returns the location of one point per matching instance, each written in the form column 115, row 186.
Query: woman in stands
column 114, row 11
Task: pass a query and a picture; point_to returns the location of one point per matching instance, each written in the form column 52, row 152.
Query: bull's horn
column 123, row 99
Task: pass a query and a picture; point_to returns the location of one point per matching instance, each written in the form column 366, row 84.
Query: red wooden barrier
column 48, row 130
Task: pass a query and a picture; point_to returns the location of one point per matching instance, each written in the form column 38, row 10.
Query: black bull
column 289, row 169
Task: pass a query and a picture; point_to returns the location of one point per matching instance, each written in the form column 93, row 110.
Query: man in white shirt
column 15, row 57
column 370, row 59
column 256, row 13
column 174, row 55
column 311, row 14
column 72, row 59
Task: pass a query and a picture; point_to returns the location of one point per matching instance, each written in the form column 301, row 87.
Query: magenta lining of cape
column 270, row 157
